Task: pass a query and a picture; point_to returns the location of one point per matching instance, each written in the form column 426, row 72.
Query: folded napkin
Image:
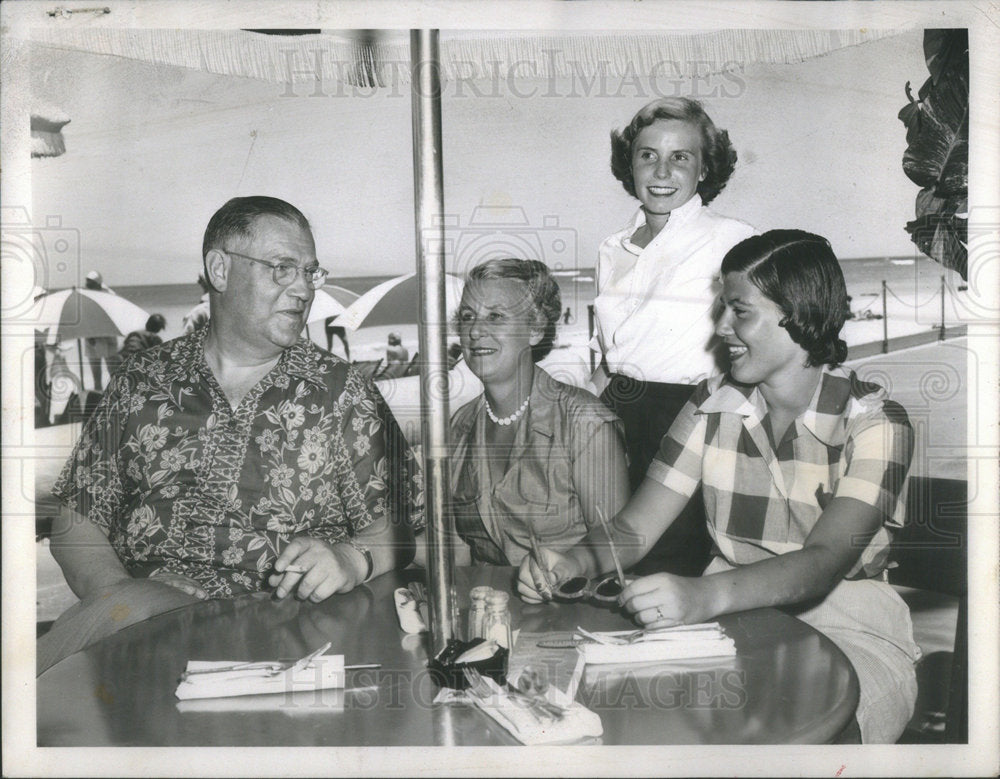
column 563, row 667
column 322, row 672
column 304, row 703
column 408, row 611
column 679, row 643
column 577, row 723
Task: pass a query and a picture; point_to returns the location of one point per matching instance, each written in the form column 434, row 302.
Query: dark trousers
column 647, row 410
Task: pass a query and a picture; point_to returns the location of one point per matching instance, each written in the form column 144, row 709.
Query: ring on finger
column 659, row 614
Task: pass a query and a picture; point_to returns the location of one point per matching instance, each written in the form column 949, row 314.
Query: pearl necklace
column 506, row 420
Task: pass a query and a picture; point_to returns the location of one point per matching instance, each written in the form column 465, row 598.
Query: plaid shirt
column 762, row 500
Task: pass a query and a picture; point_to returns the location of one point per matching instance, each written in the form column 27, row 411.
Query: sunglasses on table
column 605, row 589
column 285, row 273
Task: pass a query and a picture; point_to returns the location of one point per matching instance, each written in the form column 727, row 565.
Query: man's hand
column 535, row 585
column 326, row 569
column 664, row 600
column 180, row 582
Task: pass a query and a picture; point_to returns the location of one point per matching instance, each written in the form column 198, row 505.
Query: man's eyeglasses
column 285, row 273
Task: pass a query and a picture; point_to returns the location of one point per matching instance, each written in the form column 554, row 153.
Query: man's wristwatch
column 366, row 553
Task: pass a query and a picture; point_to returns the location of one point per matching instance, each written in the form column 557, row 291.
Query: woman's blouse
column 761, row 500
column 654, row 305
column 563, row 429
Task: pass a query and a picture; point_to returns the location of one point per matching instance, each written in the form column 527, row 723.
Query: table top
column 787, row 684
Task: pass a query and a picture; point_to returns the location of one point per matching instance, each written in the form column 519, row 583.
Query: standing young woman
column 657, row 281
column 531, row 454
column 803, row 472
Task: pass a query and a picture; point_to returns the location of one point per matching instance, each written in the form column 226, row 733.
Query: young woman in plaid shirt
column 803, row 471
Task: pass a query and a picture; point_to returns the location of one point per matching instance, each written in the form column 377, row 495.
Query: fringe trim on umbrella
column 385, row 62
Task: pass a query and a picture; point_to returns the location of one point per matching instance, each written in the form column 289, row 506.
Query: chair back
column 930, row 551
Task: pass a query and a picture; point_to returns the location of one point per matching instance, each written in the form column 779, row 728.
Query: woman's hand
column 535, row 585
column 664, row 600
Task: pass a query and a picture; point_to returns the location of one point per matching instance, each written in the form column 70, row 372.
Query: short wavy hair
column 801, row 274
column 236, row 218
column 718, row 157
column 546, row 299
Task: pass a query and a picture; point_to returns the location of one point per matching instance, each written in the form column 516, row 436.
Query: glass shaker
column 477, row 612
column 498, row 619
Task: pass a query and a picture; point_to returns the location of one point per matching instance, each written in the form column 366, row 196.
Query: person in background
column 217, row 461
column 395, row 351
column 140, row 340
column 530, row 453
column 333, row 329
column 454, row 354
column 657, row 282
column 198, row 315
column 100, row 348
column 803, row 469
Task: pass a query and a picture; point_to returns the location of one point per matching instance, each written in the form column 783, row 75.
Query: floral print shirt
column 181, row 482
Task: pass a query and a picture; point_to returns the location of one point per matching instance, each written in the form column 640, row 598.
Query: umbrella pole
column 79, row 354
column 429, row 199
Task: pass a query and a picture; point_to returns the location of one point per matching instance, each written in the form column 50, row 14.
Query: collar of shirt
column 824, row 417
column 678, row 218
column 187, row 354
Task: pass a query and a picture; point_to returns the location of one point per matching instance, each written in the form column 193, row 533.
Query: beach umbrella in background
column 342, row 295
column 329, row 303
column 397, row 302
column 46, row 132
column 74, row 314
column 326, row 305
column 86, row 313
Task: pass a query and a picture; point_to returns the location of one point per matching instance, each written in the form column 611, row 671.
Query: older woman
column 530, row 452
column 657, row 282
column 803, row 469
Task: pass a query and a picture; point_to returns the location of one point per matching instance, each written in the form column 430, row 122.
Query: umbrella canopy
column 342, row 295
column 84, row 313
column 46, row 132
column 325, row 305
column 397, row 302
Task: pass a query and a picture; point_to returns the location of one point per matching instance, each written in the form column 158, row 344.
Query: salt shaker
column 477, row 612
column 498, row 619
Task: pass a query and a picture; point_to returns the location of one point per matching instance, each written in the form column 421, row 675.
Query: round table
column 787, row 684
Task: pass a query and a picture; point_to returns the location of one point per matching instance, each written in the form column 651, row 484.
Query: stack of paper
column 225, row 678
column 678, row 643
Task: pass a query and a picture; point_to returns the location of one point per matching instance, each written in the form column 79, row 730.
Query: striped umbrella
column 85, row 313
column 396, row 302
column 330, row 301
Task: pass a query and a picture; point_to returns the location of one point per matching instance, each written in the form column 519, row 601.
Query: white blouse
column 654, row 305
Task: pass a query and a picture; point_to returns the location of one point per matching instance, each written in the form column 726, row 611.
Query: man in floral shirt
column 217, row 460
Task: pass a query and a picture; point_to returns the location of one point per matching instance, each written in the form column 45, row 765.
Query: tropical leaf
column 942, row 237
column 937, row 152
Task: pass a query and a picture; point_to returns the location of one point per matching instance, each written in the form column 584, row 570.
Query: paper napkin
column 680, row 643
column 323, row 672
